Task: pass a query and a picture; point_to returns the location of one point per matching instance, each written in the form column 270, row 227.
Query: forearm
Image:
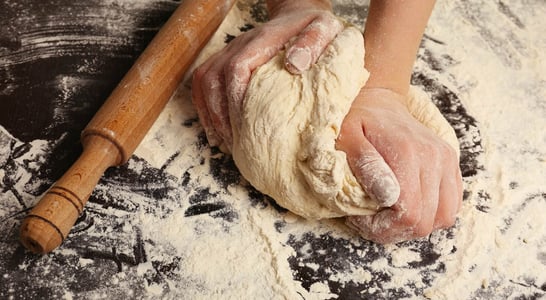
column 393, row 32
column 276, row 6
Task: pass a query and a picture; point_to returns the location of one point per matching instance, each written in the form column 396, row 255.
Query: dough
column 285, row 143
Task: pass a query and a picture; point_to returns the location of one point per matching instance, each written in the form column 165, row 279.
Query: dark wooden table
column 59, row 60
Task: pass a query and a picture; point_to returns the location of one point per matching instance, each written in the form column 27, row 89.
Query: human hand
column 397, row 159
column 219, row 84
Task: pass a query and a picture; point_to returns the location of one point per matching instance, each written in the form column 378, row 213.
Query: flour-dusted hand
column 382, row 139
column 305, row 28
column 380, row 135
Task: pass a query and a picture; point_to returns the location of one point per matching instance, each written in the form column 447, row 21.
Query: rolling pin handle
column 50, row 221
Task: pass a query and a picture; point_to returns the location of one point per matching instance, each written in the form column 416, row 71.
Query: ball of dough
column 284, row 144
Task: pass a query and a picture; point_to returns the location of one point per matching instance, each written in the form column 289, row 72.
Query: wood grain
column 120, row 124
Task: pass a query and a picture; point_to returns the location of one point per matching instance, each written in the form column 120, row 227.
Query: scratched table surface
column 60, row 59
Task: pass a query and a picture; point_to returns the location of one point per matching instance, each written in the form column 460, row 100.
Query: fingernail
column 298, row 60
column 385, row 190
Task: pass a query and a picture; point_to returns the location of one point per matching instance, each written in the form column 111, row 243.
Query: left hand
column 219, row 84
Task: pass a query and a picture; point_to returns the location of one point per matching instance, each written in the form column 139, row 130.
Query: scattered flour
column 500, row 240
column 508, row 104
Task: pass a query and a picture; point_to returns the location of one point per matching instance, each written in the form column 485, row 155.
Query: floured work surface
column 178, row 221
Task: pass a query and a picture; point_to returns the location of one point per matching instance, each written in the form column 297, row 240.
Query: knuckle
column 433, row 151
column 198, row 74
column 233, row 64
column 329, row 19
column 408, row 151
column 324, row 24
column 407, row 147
column 423, row 229
column 446, row 150
column 211, row 80
column 411, row 220
column 437, row 149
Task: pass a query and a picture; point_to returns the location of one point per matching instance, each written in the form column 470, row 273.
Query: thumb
column 312, row 41
column 370, row 169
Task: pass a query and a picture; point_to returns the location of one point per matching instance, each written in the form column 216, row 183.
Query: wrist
column 277, row 7
column 393, row 32
column 387, row 75
column 381, row 95
column 396, row 84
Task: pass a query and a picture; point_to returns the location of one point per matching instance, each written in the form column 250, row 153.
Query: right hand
column 220, row 83
column 402, row 164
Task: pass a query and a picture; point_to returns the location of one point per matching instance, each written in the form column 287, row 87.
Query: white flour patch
column 178, row 222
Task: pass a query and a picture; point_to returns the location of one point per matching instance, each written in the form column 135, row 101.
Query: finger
column 399, row 222
column 370, row 169
column 394, row 224
column 307, row 47
column 210, row 78
column 372, row 227
column 450, row 199
column 216, row 101
column 383, row 227
column 374, row 175
column 430, row 190
column 459, row 181
column 448, row 204
column 240, row 67
column 200, row 105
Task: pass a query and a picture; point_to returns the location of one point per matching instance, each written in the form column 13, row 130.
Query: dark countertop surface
column 59, row 60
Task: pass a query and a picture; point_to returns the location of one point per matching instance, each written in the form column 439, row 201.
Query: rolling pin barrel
column 123, row 120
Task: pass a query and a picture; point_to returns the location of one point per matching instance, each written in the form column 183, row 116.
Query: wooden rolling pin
column 124, row 119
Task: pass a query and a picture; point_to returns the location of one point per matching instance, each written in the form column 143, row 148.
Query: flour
column 509, row 104
column 209, row 235
column 477, row 250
